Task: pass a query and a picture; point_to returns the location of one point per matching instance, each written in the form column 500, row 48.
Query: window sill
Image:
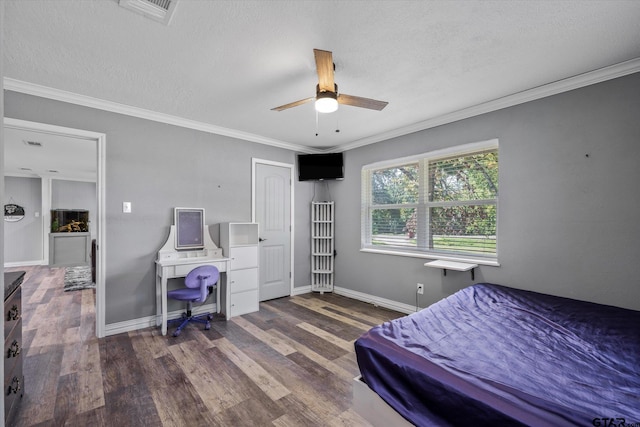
column 424, row 255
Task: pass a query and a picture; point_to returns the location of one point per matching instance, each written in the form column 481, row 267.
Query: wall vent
column 158, row 10
column 33, row 143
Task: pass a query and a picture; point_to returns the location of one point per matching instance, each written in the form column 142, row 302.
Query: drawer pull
column 15, row 386
column 13, row 313
column 14, row 349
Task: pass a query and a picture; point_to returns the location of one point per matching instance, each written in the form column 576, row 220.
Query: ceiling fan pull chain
column 317, row 123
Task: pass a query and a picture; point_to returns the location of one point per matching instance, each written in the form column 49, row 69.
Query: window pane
column 393, row 227
column 472, row 177
column 466, row 229
column 394, row 186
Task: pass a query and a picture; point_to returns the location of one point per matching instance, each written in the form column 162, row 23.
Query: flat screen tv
column 190, row 228
column 317, row 167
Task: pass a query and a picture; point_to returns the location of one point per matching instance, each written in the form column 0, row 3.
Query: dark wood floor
column 290, row 364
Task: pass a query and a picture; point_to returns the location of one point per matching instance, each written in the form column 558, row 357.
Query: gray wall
column 2, row 195
column 76, row 195
column 23, row 239
column 567, row 221
column 155, row 167
column 568, row 207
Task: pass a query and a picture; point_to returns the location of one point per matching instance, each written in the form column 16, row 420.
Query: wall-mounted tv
column 190, row 228
column 316, row 167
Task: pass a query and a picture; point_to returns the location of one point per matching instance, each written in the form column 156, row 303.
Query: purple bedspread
column 492, row 355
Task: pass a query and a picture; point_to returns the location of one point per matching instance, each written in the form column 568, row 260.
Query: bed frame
column 372, row 408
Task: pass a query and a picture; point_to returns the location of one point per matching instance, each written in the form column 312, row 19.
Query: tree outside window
column 454, row 211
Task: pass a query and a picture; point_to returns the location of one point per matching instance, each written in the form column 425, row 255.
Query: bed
column 492, row 355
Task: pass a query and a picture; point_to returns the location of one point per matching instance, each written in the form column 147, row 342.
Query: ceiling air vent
column 158, row 10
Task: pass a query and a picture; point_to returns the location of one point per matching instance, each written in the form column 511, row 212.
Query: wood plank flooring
column 290, row 364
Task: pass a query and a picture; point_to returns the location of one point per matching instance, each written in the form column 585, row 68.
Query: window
column 436, row 205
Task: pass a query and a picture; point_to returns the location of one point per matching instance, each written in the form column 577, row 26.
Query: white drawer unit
column 239, row 241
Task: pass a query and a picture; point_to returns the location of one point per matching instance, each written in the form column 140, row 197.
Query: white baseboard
column 377, row 301
column 301, row 290
column 24, row 263
column 150, row 321
column 361, row 296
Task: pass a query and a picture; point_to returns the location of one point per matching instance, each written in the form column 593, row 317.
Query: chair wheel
column 207, row 326
column 177, row 332
column 209, row 317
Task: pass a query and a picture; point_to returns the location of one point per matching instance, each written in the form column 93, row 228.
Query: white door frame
column 100, row 139
column 254, row 165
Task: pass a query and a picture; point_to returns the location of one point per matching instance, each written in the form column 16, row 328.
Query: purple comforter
column 491, row 355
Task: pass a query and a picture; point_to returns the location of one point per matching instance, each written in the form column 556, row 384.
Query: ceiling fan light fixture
column 326, row 102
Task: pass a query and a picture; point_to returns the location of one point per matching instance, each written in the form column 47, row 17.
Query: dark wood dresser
column 13, row 377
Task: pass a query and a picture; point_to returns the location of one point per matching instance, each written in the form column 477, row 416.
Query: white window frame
column 422, row 159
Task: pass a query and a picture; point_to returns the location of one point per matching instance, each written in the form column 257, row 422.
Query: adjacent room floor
column 290, row 364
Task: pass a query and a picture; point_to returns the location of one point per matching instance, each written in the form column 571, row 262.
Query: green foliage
column 473, row 177
column 461, row 180
column 394, row 186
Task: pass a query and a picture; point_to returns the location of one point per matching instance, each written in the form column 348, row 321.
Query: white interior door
column 272, row 211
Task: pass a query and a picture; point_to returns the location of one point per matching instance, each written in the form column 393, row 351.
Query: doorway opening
column 57, row 136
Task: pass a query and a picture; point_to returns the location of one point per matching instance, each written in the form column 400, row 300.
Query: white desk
column 172, row 264
column 171, row 269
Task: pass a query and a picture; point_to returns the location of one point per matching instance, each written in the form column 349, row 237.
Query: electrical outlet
column 420, row 288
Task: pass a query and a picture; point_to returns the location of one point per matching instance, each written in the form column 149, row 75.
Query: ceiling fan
column 327, row 97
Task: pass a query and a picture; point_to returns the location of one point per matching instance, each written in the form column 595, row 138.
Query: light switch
column 126, row 207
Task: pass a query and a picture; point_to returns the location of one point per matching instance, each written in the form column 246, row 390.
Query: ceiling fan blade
column 324, row 65
column 356, row 101
column 293, row 104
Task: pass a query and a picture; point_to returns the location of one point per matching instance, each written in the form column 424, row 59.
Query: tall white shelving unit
column 322, row 245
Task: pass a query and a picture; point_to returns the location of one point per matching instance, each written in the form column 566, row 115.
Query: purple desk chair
column 198, row 283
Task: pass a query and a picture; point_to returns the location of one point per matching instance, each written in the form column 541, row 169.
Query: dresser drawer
column 243, row 303
column 13, row 377
column 12, row 311
column 13, row 349
column 243, row 280
column 13, row 391
column 243, row 257
column 183, row 270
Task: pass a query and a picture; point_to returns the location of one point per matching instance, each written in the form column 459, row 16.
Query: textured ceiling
column 57, row 156
column 227, row 63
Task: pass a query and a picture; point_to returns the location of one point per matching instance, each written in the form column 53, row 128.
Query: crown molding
column 571, row 83
column 597, row 76
column 115, row 107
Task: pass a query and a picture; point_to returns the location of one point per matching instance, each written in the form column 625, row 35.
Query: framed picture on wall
column 13, row 212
